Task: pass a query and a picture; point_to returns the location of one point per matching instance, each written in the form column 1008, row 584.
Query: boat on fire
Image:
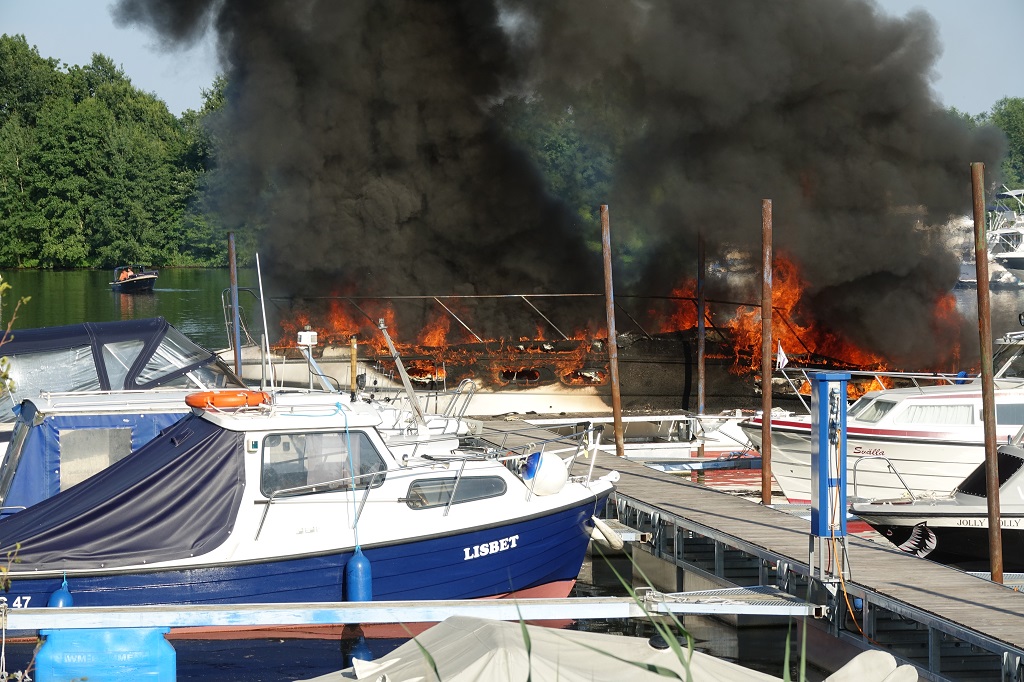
column 921, row 438
column 272, row 497
column 953, row 529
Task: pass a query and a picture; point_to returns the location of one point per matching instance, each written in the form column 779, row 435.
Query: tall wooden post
column 701, row 331
column 988, row 400
column 766, row 351
column 613, row 349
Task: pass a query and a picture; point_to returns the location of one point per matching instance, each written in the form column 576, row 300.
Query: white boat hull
column 876, row 467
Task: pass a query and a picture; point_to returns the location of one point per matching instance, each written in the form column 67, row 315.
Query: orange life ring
column 206, row 399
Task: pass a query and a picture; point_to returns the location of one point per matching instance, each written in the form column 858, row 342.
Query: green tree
column 1008, row 115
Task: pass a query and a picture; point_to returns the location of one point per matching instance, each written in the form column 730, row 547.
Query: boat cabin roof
column 297, row 410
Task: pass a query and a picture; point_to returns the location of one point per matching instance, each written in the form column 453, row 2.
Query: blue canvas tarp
column 38, row 473
column 176, row 497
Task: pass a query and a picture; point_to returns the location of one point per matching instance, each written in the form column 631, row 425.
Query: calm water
column 189, row 298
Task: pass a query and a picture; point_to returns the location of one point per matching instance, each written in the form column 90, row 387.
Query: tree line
column 96, row 173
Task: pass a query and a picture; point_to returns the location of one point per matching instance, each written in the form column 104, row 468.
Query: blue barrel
column 106, row 655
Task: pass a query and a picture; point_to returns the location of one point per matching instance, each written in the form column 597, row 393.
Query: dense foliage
column 95, row 173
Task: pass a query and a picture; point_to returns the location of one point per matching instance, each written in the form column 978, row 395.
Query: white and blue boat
column 313, row 497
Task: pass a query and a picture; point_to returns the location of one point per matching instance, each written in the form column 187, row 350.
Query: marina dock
column 949, row 623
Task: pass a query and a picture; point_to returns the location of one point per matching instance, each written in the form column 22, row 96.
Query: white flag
column 780, row 359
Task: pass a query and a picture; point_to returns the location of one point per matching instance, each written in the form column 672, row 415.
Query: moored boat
column 953, row 529
column 279, row 501
column 925, row 438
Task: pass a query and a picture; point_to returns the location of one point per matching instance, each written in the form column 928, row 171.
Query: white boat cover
column 468, row 649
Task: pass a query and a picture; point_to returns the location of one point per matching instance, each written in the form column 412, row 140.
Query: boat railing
column 892, row 469
column 229, row 317
column 800, row 377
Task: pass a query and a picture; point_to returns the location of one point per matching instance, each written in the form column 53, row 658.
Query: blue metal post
column 828, row 454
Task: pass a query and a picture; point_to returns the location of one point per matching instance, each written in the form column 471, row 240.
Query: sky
column 976, row 68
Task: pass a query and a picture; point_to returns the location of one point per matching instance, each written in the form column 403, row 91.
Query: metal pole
column 613, row 351
column 701, row 332
column 988, row 400
column 234, row 303
column 766, row 351
column 353, row 364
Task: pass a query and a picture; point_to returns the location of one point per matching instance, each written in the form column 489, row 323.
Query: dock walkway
column 929, row 613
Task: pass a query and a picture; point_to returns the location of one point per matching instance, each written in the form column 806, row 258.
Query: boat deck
column 938, row 602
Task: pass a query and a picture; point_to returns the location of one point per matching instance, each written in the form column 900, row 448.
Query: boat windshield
column 875, row 411
column 858, row 405
column 976, row 483
column 1008, row 360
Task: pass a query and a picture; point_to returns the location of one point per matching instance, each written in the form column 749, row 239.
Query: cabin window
column 436, row 492
column 84, row 452
column 174, row 352
column 66, row 369
column 303, row 463
column 937, row 414
column 1011, row 414
column 875, row 411
column 857, row 406
column 118, row 358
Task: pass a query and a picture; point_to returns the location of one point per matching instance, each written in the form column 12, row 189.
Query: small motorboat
column 133, row 279
column 313, row 497
column 953, row 529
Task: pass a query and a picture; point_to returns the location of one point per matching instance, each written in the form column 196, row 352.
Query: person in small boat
column 125, row 274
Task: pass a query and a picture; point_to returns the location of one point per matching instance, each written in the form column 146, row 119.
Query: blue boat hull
column 486, row 562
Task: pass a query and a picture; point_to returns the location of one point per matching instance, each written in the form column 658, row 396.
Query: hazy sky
column 977, row 68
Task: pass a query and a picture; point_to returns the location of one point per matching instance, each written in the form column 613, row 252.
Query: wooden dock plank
column 992, row 610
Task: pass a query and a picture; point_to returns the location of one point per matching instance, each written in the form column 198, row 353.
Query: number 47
column 21, row 602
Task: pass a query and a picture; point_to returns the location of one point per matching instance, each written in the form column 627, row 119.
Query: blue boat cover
column 146, row 369
column 39, row 466
column 175, row 497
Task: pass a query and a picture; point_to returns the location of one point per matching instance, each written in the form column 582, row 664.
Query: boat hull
column 925, row 465
column 959, row 538
column 140, row 284
column 530, row 553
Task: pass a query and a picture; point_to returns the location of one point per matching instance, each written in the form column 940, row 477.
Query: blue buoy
column 61, row 596
column 358, row 578
column 532, row 463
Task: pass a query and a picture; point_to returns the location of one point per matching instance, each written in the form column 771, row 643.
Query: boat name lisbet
column 492, row 547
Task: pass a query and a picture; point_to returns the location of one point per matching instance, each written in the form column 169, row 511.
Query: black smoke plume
column 364, row 138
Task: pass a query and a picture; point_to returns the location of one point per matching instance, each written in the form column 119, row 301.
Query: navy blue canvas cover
column 38, row 473
column 175, row 497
